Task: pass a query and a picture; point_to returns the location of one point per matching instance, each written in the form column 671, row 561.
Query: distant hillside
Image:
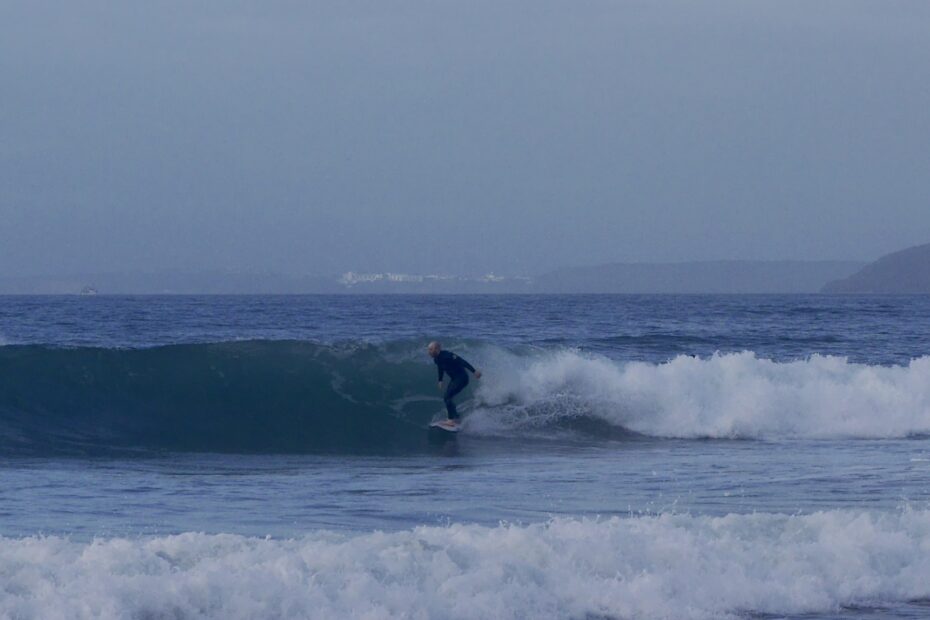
column 699, row 277
column 907, row 271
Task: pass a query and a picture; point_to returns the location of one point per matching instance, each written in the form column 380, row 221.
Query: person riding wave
column 451, row 364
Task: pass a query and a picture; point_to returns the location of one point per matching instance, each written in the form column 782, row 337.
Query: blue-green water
column 623, row 457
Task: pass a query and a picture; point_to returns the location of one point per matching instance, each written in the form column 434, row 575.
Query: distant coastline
column 723, row 277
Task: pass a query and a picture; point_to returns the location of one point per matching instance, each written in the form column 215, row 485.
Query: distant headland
column 907, row 271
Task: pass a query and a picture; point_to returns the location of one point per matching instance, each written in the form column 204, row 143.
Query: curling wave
column 669, row 566
column 265, row 396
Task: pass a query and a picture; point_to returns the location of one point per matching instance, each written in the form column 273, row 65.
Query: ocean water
column 622, row 457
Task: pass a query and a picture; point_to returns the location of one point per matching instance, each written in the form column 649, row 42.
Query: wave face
column 265, row 396
column 257, row 396
column 670, row 566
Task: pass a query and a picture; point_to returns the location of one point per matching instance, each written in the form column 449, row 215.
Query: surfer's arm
column 466, row 364
column 439, row 370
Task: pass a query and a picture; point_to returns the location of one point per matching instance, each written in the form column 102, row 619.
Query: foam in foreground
column 670, row 566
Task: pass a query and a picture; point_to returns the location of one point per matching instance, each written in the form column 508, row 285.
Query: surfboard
column 446, row 425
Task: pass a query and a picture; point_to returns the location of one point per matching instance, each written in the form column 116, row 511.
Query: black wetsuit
column 454, row 366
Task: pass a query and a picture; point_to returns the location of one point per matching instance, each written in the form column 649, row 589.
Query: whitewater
column 647, row 567
column 623, row 457
column 735, row 395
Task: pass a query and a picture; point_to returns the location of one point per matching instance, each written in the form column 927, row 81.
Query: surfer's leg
column 455, row 386
column 450, row 408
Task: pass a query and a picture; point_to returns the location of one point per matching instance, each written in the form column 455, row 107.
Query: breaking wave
column 735, row 395
column 267, row 396
column 668, row 566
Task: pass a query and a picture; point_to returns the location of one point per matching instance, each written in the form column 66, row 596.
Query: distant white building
column 353, row 278
column 402, row 277
column 350, row 278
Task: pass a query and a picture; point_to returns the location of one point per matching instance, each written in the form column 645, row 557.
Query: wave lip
column 668, row 566
column 736, row 395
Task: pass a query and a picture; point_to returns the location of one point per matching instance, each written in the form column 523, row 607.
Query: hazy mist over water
column 310, row 138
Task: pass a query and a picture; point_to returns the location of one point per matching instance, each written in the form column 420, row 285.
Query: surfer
column 451, row 364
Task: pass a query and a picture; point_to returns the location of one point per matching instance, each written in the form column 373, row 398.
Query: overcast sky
column 462, row 137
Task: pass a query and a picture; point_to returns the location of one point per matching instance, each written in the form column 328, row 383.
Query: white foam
column 732, row 395
column 670, row 566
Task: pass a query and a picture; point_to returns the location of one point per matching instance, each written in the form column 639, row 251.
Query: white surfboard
column 446, row 425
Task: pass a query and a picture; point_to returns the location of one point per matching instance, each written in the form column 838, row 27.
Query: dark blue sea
column 622, row 457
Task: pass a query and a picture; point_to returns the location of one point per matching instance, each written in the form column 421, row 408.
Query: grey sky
column 312, row 137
